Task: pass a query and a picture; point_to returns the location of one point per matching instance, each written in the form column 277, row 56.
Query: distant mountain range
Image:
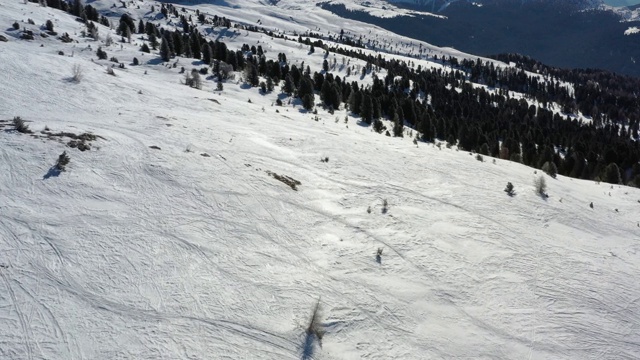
column 441, row 5
column 558, row 33
column 622, row 2
column 435, row 5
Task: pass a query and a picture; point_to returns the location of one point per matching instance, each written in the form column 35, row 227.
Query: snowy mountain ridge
column 439, row 5
column 207, row 223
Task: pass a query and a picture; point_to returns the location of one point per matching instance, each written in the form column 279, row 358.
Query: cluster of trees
column 603, row 95
column 442, row 104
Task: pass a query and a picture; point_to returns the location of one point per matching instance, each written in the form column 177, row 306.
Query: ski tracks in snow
column 20, row 315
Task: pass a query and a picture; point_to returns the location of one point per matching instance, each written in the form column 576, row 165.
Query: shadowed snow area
column 194, row 250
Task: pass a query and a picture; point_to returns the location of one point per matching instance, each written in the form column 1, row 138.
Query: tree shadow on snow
column 156, row 61
column 363, row 123
column 308, row 347
column 53, row 172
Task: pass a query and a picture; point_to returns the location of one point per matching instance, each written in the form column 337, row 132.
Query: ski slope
column 192, row 250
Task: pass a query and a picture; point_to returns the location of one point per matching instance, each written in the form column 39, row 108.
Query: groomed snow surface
column 194, row 251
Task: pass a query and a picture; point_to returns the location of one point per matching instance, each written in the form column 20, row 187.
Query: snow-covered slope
column 193, row 250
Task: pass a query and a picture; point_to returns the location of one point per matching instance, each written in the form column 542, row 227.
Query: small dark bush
column 145, row 48
column 279, row 102
column 509, row 189
column 135, row 61
column 114, row 59
column 63, row 161
column 20, row 125
column 65, row 38
column 16, row 26
column 102, row 55
column 49, row 25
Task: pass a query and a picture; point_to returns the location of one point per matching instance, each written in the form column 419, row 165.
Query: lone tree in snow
column 540, row 185
column 315, row 323
column 101, row 53
column 62, row 162
column 20, row 125
column 509, row 189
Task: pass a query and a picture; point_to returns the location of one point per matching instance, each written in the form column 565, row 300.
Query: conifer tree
column 206, row 53
column 165, row 52
column 153, row 40
column 398, row 126
column 288, row 86
column 366, row 110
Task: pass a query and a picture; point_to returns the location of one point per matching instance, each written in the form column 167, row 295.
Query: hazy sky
column 622, row 2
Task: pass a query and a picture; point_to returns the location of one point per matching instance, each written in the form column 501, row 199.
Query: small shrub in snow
column 385, row 206
column 369, row 210
column 145, row 48
column 20, row 125
column 114, row 59
column 540, row 185
column 135, row 61
column 63, row 161
column 93, row 32
column 102, row 55
column 76, row 73
column 16, row 26
column 509, row 189
column 193, row 79
column 49, row 25
column 479, row 158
